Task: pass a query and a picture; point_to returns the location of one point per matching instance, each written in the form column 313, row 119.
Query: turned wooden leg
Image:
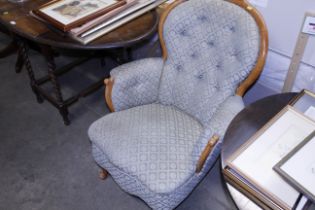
column 62, row 106
column 23, row 57
column 103, row 174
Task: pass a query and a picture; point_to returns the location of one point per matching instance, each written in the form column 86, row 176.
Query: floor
column 46, row 165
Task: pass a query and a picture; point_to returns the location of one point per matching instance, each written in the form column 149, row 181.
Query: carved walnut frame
column 242, row 88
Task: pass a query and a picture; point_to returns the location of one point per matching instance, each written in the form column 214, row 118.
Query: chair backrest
column 210, row 47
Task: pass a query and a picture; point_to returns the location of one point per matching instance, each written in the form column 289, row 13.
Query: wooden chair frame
column 242, row 88
column 252, row 77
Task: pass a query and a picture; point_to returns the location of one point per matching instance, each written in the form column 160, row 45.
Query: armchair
column 170, row 114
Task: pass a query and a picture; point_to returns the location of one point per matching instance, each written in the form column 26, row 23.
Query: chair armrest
column 225, row 114
column 217, row 126
column 135, row 83
column 205, row 153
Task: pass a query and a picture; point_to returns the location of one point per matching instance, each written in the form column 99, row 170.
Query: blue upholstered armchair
column 162, row 136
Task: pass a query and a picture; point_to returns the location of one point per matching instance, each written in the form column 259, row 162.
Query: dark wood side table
column 250, row 120
column 25, row 29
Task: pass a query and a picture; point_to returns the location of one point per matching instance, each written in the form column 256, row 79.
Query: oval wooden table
column 26, row 30
column 248, row 122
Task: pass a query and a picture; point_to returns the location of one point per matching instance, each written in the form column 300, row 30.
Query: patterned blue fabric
column 125, row 146
column 136, row 83
column 219, row 123
column 178, row 104
column 155, row 200
column 153, row 143
column 209, row 52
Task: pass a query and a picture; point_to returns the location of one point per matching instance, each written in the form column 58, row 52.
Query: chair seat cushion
column 153, row 143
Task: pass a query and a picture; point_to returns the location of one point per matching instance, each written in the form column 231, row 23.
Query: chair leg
column 103, row 174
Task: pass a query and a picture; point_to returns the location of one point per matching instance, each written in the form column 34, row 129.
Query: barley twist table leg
column 23, row 52
column 62, row 106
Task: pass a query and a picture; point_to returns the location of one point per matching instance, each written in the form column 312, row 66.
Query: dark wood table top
column 250, row 120
column 30, row 28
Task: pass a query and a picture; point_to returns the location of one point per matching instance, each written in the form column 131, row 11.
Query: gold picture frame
column 305, row 103
column 68, row 14
column 298, row 167
column 251, row 166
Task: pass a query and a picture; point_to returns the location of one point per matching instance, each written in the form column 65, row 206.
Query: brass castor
column 103, row 174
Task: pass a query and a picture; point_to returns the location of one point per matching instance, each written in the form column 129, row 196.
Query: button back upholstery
column 210, row 52
column 167, row 109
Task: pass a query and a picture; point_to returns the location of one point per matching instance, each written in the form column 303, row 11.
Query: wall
column 284, row 19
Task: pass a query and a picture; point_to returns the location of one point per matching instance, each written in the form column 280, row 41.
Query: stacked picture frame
column 264, row 168
column 68, row 14
column 298, row 167
column 85, row 21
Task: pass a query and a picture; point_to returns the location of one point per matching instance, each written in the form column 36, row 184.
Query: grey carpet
column 46, row 165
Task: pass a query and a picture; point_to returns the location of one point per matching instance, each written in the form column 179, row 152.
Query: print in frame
column 68, row 14
column 298, row 167
column 255, row 160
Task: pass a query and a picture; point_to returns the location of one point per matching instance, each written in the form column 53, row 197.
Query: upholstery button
column 183, row 32
column 133, row 83
column 179, row 68
column 210, row 43
column 232, row 28
column 193, row 55
column 202, row 18
column 200, row 76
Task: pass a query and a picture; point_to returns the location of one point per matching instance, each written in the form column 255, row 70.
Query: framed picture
column 68, row 14
column 298, row 167
column 305, row 102
column 254, row 161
